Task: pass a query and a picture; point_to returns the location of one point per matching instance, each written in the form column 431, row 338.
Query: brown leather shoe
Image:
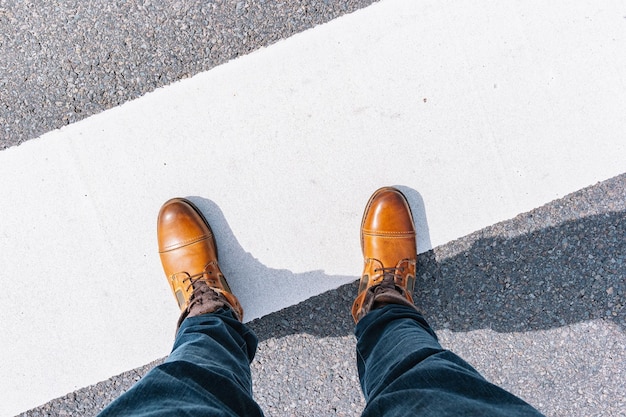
column 389, row 251
column 189, row 256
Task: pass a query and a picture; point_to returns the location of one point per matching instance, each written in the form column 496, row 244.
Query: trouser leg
column 404, row 371
column 207, row 373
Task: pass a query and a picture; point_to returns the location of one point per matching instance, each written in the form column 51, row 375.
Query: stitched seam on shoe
column 372, row 233
column 185, row 243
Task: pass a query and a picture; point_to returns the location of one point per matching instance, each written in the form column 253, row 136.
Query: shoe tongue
column 203, row 295
column 200, row 287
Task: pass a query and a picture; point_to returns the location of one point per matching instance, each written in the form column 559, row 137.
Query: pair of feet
column 188, row 253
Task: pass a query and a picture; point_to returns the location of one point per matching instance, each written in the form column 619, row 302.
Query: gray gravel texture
column 535, row 303
column 64, row 60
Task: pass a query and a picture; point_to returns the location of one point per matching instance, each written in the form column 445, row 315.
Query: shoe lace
column 389, row 278
column 200, row 288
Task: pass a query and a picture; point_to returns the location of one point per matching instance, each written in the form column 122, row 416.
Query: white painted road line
column 487, row 110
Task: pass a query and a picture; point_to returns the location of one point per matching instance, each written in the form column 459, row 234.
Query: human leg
column 207, row 373
column 208, row 370
column 402, row 368
column 403, row 371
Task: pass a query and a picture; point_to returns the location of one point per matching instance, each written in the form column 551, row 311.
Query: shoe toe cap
column 388, row 212
column 388, row 232
column 179, row 224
